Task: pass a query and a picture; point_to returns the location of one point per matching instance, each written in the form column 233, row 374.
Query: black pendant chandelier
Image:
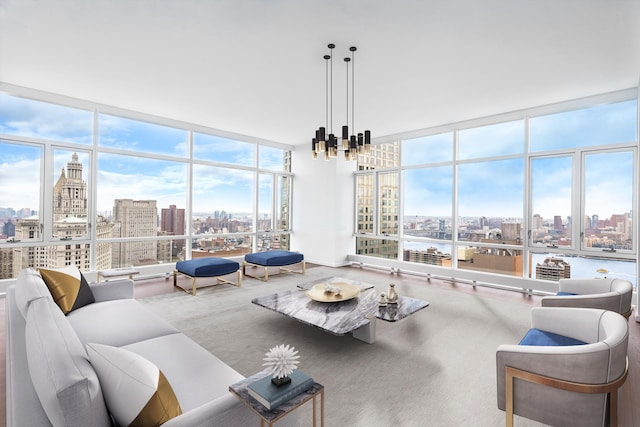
column 325, row 142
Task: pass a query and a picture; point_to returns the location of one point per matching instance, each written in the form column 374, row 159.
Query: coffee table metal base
column 366, row 333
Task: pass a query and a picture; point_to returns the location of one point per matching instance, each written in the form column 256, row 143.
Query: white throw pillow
column 136, row 391
column 67, row 385
column 29, row 287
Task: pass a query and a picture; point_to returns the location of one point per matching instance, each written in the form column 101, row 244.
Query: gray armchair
column 567, row 385
column 605, row 294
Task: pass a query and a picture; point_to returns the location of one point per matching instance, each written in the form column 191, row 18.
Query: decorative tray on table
column 333, row 292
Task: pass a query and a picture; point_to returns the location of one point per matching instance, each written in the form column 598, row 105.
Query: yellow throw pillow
column 136, row 391
column 68, row 287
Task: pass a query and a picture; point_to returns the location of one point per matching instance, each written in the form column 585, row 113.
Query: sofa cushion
column 181, row 359
column 29, row 287
column 545, row 338
column 136, row 391
column 274, row 258
column 68, row 287
column 207, row 267
column 63, row 378
column 117, row 323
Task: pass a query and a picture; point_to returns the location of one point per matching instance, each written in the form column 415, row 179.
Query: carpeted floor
column 435, row 368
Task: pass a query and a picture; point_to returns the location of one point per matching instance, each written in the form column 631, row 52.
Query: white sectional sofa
column 50, row 380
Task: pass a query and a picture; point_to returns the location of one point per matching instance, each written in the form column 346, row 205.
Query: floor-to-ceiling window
column 107, row 189
column 546, row 195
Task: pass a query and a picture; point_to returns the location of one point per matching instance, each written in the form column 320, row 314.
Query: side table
column 268, row 417
column 117, row 272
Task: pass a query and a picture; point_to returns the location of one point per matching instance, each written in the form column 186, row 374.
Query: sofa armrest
column 113, row 290
column 607, row 301
column 227, row 411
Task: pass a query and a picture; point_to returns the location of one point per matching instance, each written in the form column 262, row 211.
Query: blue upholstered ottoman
column 207, row 267
column 268, row 259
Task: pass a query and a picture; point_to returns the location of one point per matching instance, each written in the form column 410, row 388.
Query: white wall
column 322, row 211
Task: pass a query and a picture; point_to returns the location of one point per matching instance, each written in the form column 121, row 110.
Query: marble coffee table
column 356, row 316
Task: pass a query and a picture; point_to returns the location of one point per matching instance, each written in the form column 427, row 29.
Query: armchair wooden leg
column 509, row 397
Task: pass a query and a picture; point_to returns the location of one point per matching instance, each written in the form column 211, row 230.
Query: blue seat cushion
column 274, row 258
column 564, row 294
column 543, row 338
column 207, row 267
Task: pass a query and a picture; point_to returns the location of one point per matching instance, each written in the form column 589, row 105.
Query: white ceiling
column 255, row 67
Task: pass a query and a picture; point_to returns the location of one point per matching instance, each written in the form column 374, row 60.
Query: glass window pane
column 268, row 242
column 381, row 156
column 599, row 125
column 222, row 246
column 489, row 193
column 428, row 149
column 35, row 119
column 493, row 140
column 134, row 135
column 222, row 200
column 551, row 195
column 491, row 260
column 172, row 223
column 389, row 207
column 381, row 248
column 427, row 253
column 283, row 202
column 428, row 198
column 141, row 252
column 70, row 194
column 78, row 254
column 275, row 159
column 550, row 266
column 218, row 149
column 609, row 200
column 19, row 193
column 132, row 191
column 265, row 206
column 365, row 203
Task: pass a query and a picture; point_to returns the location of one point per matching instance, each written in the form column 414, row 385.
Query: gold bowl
column 318, row 292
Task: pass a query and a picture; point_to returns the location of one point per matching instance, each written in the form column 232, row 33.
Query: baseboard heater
column 395, row 270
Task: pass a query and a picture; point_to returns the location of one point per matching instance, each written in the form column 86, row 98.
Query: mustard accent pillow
column 136, row 391
column 68, row 287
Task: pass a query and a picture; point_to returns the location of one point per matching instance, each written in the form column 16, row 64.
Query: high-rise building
column 431, row 256
column 553, row 269
column 70, row 217
column 537, row 222
column 172, row 220
column 171, row 223
column 134, row 218
column 557, row 223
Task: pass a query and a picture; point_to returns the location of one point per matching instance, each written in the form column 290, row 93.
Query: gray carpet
column 435, row 368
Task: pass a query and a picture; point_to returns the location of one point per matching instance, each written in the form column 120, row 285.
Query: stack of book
column 272, row 396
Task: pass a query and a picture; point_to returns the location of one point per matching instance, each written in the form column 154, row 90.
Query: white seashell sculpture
column 281, row 360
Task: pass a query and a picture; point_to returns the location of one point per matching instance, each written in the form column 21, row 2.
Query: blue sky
column 124, row 176
column 488, row 188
